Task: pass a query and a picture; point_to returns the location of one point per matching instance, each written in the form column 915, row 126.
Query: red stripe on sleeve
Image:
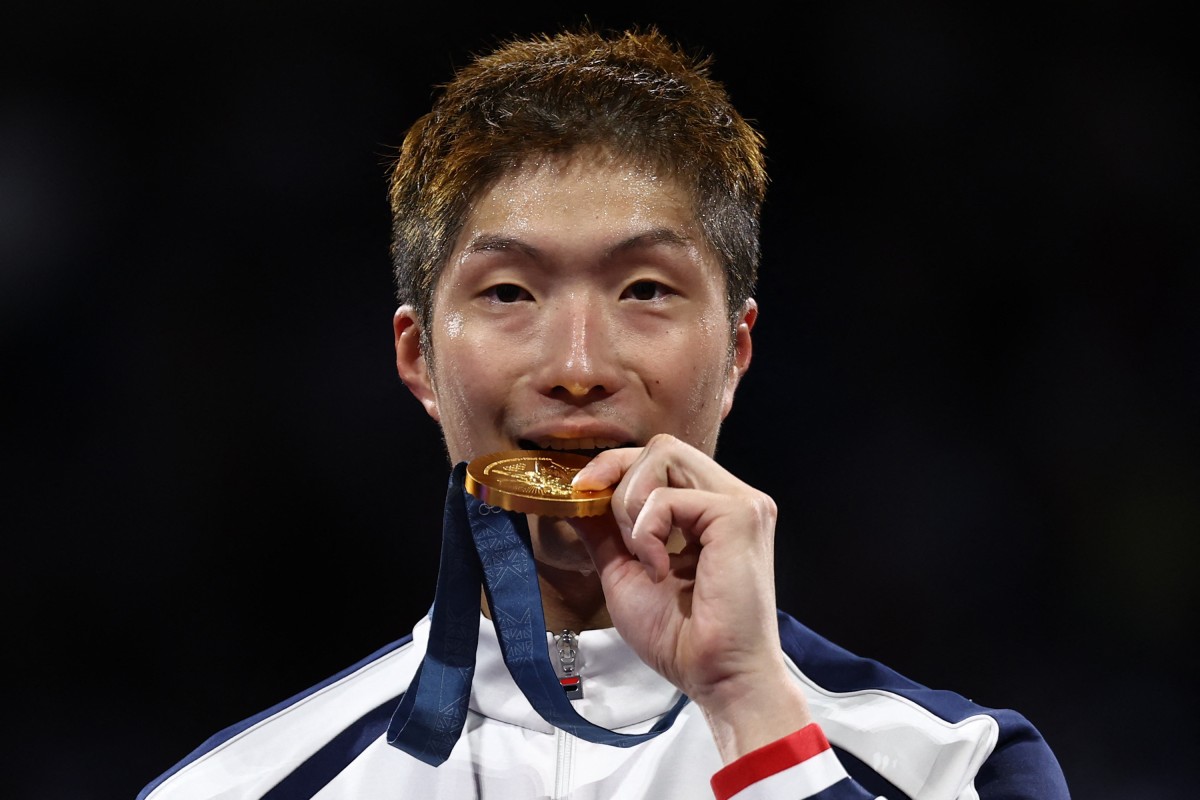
column 768, row 760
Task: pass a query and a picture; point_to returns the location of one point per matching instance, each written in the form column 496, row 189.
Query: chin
column 555, row 544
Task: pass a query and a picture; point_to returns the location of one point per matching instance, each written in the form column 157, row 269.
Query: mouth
column 589, row 447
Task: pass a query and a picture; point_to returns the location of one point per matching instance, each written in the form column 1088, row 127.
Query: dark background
column 973, row 395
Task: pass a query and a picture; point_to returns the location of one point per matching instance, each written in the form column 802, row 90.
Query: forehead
column 586, row 194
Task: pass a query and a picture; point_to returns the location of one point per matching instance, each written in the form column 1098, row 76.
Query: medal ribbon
column 482, row 543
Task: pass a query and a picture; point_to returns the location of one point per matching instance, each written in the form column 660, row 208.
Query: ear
column 410, row 359
column 742, row 349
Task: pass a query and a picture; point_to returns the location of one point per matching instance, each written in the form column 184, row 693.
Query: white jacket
column 897, row 738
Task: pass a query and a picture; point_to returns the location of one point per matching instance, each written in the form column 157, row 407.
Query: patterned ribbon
column 484, row 543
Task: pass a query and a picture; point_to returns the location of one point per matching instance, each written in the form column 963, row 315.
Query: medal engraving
column 534, row 482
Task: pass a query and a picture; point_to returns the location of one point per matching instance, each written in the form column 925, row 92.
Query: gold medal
column 534, row 482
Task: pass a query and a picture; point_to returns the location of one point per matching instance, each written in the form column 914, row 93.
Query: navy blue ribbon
column 485, row 544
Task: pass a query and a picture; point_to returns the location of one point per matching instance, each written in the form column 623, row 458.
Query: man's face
column 579, row 309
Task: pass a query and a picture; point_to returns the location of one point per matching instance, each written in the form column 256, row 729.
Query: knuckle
column 661, row 441
column 764, row 509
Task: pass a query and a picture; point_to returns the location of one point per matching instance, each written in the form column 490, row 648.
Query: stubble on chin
column 557, row 545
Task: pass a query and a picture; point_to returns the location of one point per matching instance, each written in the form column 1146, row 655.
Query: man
column 576, row 244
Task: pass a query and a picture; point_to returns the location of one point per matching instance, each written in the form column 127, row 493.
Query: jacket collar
column 620, row 692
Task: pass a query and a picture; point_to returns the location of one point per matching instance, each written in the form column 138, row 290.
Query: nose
column 581, row 364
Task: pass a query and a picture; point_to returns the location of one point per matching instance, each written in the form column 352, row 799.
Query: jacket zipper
column 565, row 746
column 567, row 644
column 568, row 648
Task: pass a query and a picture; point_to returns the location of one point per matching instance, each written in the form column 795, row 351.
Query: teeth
column 577, row 444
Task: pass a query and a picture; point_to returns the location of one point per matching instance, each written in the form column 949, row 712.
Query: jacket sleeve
column 801, row 765
column 1022, row 766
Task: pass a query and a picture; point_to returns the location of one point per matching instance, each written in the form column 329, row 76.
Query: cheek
column 463, row 376
column 460, row 396
column 700, row 410
column 456, row 375
column 690, row 384
column 474, row 374
column 707, row 393
column 705, row 376
column 453, row 325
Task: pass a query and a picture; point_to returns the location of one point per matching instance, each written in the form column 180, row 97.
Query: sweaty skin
column 581, row 308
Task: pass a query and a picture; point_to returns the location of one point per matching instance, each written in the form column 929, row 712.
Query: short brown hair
column 633, row 93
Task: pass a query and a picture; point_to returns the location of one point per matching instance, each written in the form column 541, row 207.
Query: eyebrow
column 495, row 242
column 650, row 238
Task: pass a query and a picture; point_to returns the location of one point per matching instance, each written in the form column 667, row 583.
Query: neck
column 571, row 600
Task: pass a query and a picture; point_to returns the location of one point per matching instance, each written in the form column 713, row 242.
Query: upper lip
column 584, row 444
column 585, row 435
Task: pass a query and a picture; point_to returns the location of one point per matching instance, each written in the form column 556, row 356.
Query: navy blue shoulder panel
column 1022, row 764
column 838, row 670
column 323, row 766
column 226, row 734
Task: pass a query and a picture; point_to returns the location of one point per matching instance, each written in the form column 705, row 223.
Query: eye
column 507, row 293
column 646, row 290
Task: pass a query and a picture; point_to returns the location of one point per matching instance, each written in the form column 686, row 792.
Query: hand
column 704, row 616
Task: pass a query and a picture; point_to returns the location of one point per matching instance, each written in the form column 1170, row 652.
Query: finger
column 667, row 515
column 606, row 469
column 664, row 461
column 612, row 548
column 609, row 469
column 647, row 539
